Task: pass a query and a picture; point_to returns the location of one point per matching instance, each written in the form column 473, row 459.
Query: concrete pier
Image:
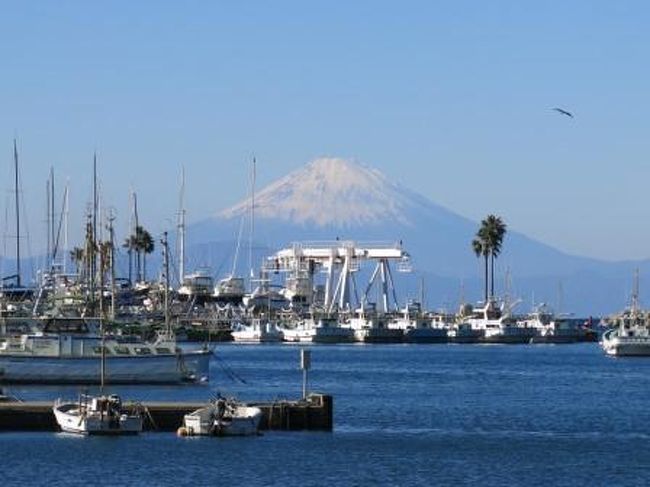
column 314, row 414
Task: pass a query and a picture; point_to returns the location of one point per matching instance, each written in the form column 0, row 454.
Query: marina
column 409, row 413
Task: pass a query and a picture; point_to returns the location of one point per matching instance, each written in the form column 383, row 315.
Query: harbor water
column 404, row 415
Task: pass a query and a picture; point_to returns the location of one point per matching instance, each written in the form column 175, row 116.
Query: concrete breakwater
column 313, row 414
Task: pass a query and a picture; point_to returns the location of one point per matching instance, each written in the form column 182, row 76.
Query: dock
column 312, row 414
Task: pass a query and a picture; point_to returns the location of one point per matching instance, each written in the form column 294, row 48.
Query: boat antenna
column 635, row 291
column 16, row 182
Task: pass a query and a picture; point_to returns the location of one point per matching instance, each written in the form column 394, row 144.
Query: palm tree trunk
column 491, row 274
column 486, row 278
column 130, row 266
column 144, row 266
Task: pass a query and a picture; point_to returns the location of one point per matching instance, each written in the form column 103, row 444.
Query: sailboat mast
column 635, row 291
column 16, row 182
column 181, row 230
column 65, row 230
column 250, row 244
column 48, row 232
column 52, row 226
column 166, row 261
column 111, row 234
column 93, row 269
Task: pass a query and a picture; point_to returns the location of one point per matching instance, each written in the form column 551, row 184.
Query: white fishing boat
column 627, row 341
column 551, row 328
column 630, row 335
column 67, row 351
column 258, row 331
column 197, row 287
column 372, row 327
column 230, row 289
column 325, row 329
column 223, row 417
column 98, row 415
column 498, row 326
column 416, row 327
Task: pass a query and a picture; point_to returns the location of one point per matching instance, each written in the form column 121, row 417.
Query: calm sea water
column 404, row 414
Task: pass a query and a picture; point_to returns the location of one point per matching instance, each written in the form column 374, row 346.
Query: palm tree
column 488, row 242
column 77, row 257
column 146, row 246
column 496, row 231
column 480, row 247
column 130, row 246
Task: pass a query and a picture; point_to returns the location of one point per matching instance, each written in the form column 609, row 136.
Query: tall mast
column 48, row 232
column 181, row 230
column 250, row 244
column 18, row 281
column 93, row 269
column 52, row 226
column 166, row 260
column 111, row 234
column 635, row 291
column 136, row 224
column 65, row 230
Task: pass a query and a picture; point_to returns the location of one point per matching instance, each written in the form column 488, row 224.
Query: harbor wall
column 313, row 414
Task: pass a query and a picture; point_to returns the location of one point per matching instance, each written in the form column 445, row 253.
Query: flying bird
column 563, row 112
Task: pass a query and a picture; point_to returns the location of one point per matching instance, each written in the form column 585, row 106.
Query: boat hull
column 426, row 335
column 617, row 348
column 96, row 425
column 153, row 369
column 379, row 335
column 205, row 422
column 511, row 336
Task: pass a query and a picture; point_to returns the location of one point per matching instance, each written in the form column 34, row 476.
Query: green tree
column 77, row 258
column 488, row 242
column 145, row 246
column 480, row 249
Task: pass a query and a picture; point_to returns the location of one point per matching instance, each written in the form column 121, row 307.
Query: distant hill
column 330, row 198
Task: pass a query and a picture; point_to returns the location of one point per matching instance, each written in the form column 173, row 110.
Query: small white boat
column 325, row 329
column 259, row 331
column 97, row 415
column 630, row 336
column 223, row 417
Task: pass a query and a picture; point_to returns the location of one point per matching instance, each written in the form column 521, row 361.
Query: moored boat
column 67, row 351
column 258, row 331
column 324, row 329
column 222, row 417
column 98, row 415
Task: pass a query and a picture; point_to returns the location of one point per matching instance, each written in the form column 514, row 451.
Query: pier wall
column 314, row 414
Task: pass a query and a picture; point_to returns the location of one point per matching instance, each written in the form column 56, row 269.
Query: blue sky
column 451, row 98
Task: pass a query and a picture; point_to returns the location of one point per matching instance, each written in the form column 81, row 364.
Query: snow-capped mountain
column 332, row 192
column 335, row 198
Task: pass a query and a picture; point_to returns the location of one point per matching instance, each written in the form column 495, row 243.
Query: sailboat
column 15, row 291
column 232, row 288
column 102, row 414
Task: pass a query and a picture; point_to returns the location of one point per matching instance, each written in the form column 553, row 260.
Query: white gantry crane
column 339, row 260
